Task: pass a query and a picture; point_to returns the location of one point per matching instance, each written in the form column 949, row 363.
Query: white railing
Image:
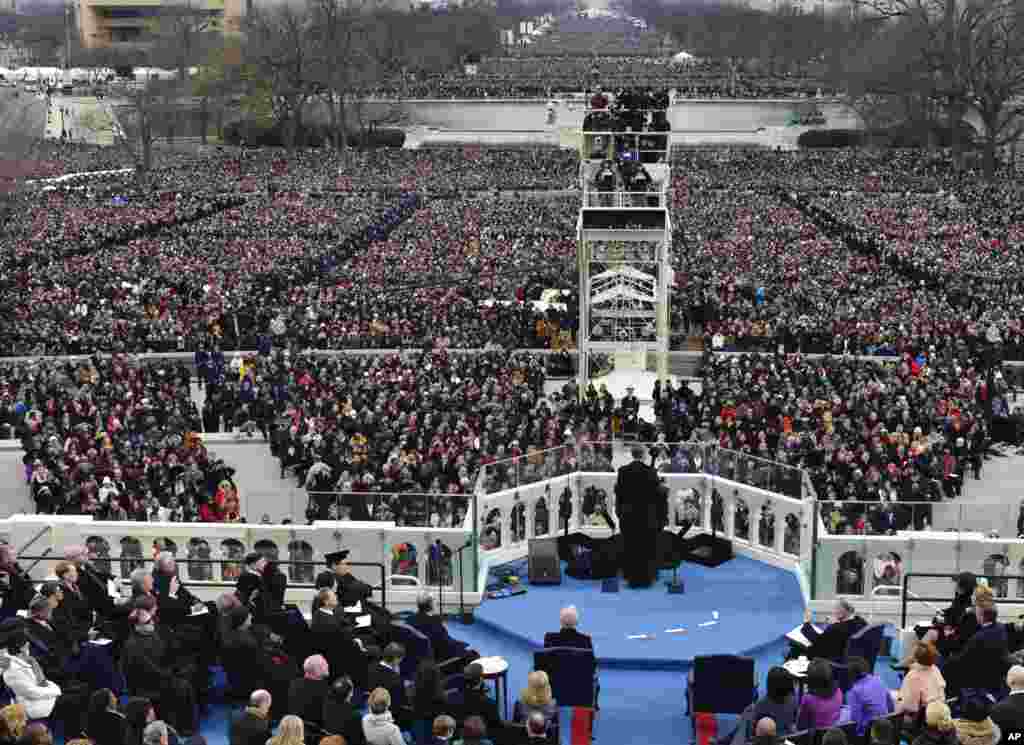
column 120, row 547
column 762, row 524
column 593, row 197
column 869, row 570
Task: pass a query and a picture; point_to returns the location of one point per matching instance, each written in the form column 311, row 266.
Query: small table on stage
column 496, row 669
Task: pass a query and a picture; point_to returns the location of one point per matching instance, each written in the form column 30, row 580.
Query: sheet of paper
column 797, row 667
column 113, row 588
column 363, row 621
column 355, row 608
column 199, row 610
column 23, row 614
column 797, row 635
column 102, row 642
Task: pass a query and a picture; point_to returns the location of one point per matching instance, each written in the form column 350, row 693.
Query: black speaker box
column 607, row 557
column 542, row 559
column 708, row 550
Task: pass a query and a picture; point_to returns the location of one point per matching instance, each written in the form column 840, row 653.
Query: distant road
column 22, row 121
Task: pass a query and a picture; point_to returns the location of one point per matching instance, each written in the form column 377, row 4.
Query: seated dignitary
column 432, row 626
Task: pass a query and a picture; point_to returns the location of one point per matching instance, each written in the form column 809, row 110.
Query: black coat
column 249, row 729
column 1008, row 715
column 18, row 591
column 332, row 637
column 640, row 503
column 476, row 702
column 327, row 579
column 252, row 591
column 306, row 699
column 831, row 643
column 73, row 617
column 351, row 590
column 983, row 662
column 567, row 638
column 276, row 583
column 173, row 610
column 55, row 659
column 146, row 660
column 344, row 719
column 380, row 676
column 429, row 710
column 442, row 644
column 93, row 584
column 108, row 728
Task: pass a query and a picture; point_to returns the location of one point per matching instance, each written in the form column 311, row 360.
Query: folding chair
column 866, row 643
column 722, row 684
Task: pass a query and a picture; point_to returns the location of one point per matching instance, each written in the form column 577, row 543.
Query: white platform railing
column 120, row 547
column 763, row 525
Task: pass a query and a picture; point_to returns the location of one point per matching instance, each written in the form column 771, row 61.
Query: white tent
column 682, row 58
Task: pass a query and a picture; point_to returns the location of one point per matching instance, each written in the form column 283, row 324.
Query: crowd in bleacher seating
column 116, row 439
column 869, row 435
column 422, row 423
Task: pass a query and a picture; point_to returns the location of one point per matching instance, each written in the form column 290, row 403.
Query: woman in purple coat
column 819, row 708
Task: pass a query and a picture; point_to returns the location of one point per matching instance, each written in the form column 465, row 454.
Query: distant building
column 125, row 24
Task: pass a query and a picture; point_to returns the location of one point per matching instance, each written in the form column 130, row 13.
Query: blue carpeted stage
column 756, row 604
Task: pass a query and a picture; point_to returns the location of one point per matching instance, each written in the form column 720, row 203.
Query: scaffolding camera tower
column 624, row 236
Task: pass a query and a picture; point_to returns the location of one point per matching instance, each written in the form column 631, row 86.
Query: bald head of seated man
column 765, row 731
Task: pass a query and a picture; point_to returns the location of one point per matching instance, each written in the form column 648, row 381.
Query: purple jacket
column 819, row 713
column 868, row 699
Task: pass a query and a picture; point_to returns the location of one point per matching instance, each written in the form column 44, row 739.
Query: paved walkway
column 86, row 119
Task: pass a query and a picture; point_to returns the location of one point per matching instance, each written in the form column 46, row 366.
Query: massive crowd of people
column 537, row 76
column 400, row 249
column 116, row 439
column 749, row 224
column 866, row 294
column 431, row 252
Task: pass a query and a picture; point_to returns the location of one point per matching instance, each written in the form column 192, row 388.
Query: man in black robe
column 351, row 590
column 250, row 587
column 642, row 508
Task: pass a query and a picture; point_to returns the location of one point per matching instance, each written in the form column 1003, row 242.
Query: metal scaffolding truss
column 623, row 295
column 624, row 238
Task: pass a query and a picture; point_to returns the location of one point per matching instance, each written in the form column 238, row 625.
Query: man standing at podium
column 641, row 505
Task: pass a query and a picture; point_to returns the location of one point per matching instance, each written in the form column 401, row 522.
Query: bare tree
column 341, row 58
column 945, row 33
column 995, row 78
column 220, row 79
column 280, row 50
column 185, row 32
column 885, row 79
column 42, row 36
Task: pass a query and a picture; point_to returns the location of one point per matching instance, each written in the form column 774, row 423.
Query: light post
column 67, row 34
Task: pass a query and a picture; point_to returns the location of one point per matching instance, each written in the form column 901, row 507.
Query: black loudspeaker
column 708, row 550
column 545, row 568
column 607, row 557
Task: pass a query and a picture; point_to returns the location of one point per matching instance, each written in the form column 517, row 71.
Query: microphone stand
column 437, row 559
column 467, row 618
